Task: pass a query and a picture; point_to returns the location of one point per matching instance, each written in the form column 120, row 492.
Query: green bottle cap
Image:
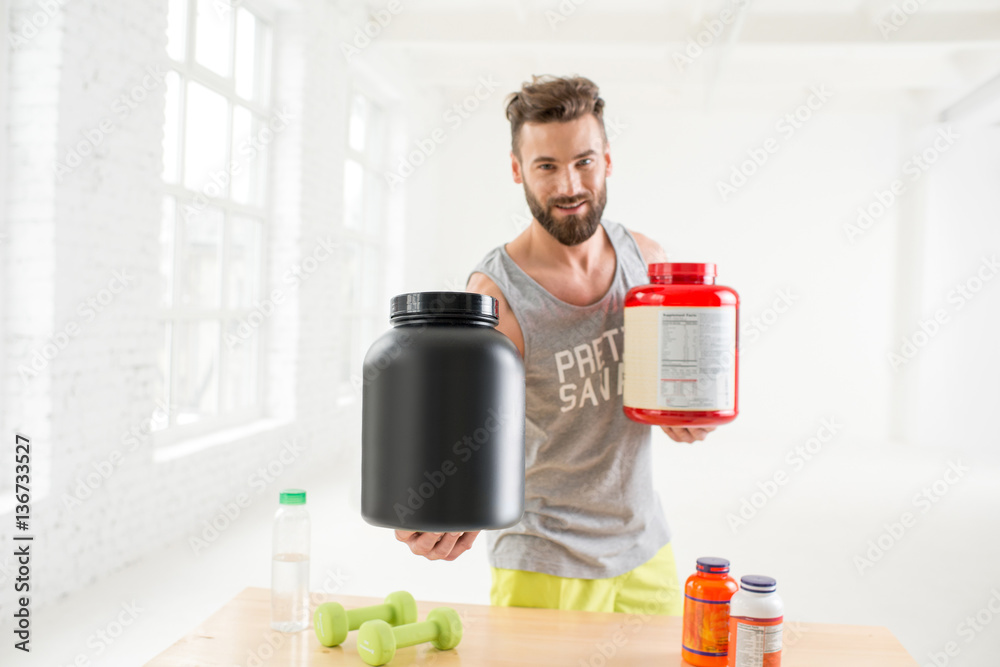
column 293, row 497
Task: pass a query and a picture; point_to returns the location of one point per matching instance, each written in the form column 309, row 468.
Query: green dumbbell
column 378, row 641
column 332, row 622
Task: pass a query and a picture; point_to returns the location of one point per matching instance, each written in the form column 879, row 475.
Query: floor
column 834, row 531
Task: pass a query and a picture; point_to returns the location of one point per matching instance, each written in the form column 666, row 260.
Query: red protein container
column 681, row 348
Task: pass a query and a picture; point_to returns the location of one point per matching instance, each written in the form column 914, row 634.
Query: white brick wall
column 67, row 238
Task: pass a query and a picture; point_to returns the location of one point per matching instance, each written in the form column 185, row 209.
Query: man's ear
column 607, row 159
column 515, row 168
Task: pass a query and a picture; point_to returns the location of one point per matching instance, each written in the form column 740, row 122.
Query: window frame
column 374, row 166
column 189, row 70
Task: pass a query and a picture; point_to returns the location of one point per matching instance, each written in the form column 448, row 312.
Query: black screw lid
column 446, row 305
column 758, row 583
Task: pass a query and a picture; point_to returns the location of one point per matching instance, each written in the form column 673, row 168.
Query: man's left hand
column 686, row 434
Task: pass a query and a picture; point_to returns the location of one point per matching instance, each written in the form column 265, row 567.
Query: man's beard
column 569, row 229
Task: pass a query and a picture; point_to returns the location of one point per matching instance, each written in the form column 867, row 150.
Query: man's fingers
column 678, row 434
column 463, row 544
column 437, row 546
column 423, row 543
column 444, row 546
column 688, row 434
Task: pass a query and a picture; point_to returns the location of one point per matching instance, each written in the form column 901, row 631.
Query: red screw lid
column 681, row 269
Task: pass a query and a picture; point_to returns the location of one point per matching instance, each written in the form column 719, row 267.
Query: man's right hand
column 437, row 546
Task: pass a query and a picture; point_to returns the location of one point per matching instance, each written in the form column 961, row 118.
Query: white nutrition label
column 754, row 641
column 697, row 358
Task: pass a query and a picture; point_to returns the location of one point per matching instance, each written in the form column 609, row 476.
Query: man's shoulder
column 489, row 269
column 489, row 276
column 483, row 283
column 652, row 252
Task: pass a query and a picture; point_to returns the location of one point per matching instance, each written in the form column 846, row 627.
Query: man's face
column 563, row 167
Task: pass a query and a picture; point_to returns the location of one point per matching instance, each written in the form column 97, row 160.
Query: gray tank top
column 590, row 508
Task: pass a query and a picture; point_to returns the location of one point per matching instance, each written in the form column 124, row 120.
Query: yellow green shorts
column 651, row 588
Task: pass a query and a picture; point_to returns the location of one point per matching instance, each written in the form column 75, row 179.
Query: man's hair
column 552, row 99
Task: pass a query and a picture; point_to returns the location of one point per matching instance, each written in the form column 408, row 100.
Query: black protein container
column 442, row 425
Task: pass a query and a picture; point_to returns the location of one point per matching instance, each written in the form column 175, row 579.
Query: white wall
column 957, row 364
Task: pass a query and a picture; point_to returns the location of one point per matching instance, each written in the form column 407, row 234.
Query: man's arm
column 652, row 253
column 480, row 283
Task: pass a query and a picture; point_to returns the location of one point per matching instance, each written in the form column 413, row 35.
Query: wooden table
column 240, row 634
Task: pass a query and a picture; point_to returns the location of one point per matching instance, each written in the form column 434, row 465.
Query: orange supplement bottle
column 706, row 613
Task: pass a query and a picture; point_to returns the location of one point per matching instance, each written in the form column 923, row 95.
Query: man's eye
column 584, row 162
column 546, row 166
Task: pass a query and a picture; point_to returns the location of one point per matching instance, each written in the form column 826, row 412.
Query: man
column 593, row 535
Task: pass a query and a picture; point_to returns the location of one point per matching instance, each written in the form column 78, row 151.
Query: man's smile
column 570, row 209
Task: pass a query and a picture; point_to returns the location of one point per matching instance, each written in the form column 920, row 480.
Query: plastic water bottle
column 290, row 563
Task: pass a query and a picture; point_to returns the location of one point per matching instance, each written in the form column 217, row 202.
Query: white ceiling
column 690, row 6
column 942, row 52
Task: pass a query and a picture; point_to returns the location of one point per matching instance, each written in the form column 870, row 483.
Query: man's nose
column 569, row 184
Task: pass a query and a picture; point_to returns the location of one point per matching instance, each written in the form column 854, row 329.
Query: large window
column 363, row 232
column 219, row 123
